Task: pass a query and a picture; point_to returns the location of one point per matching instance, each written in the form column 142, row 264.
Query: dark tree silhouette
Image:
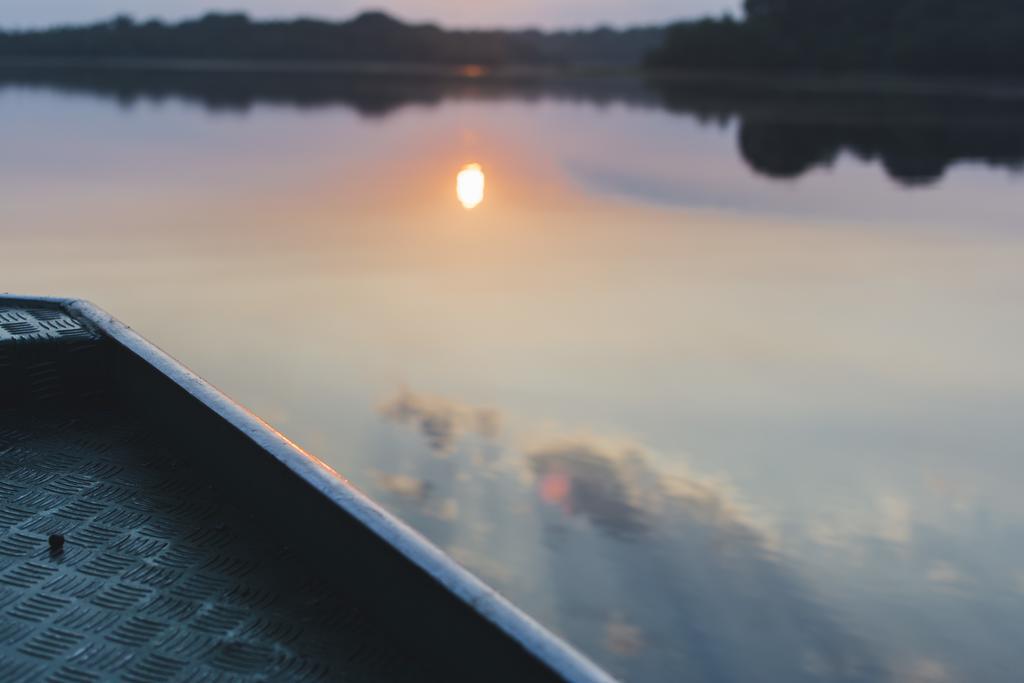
column 372, row 36
column 946, row 37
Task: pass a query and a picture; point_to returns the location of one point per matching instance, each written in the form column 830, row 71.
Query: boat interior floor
column 159, row 576
column 152, row 530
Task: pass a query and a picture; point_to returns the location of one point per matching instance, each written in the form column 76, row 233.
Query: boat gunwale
column 535, row 639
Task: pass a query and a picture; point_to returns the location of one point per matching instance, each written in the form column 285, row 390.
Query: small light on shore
column 472, row 71
column 469, row 185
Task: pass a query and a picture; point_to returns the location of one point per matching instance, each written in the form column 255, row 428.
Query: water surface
column 720, row 385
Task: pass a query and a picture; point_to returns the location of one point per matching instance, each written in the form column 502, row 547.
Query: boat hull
column 152, row 529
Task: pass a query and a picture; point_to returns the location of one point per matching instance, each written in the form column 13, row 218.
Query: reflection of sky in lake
column 695, row 419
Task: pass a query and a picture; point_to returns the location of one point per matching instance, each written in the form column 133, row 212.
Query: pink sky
column 472, row 13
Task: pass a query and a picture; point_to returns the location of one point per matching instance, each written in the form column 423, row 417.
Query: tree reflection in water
column 786, row 128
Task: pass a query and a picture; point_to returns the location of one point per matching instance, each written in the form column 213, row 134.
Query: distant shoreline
column 369, row 68
column 774, row 82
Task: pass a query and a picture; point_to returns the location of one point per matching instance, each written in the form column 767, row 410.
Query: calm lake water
column 720, row 385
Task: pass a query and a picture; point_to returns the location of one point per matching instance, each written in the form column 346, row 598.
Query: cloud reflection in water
column 440, row 420
column 597, row 484
column 701, row 577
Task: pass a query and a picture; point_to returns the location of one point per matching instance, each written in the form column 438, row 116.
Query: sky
column 461, row 13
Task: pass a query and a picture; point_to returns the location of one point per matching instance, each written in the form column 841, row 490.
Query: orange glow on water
column 555, row 488
column 469, row 185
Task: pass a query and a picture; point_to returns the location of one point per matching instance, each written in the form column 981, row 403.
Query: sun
column 469, row 185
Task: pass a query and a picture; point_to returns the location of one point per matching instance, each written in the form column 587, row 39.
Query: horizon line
column 269, row 18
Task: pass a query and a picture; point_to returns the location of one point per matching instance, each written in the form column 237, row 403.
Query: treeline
column 372, row 36
column 932, row 37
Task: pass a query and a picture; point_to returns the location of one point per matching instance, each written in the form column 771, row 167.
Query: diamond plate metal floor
column 159, row 579
column 39, row 323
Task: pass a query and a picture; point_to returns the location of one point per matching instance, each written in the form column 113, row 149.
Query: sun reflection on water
column 469, row 186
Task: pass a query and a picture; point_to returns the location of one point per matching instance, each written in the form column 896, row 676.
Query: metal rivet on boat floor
column 56, row 543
